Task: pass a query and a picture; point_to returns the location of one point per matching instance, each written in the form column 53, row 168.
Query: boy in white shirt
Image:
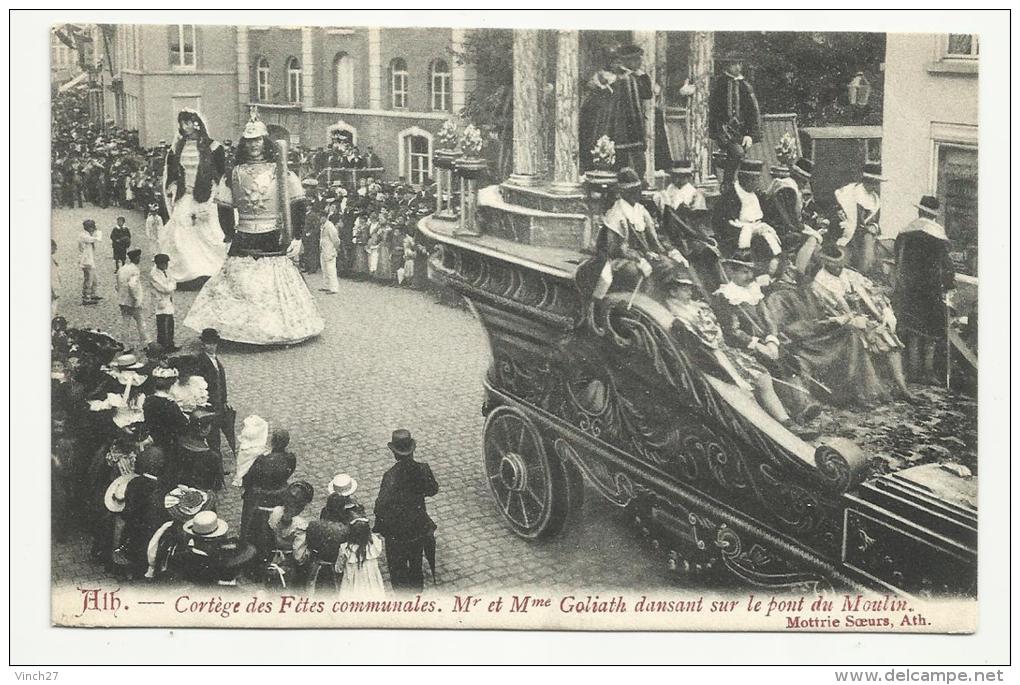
column 87, row 240
column 163, row 288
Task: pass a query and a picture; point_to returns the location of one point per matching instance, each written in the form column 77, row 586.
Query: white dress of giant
column 192, row 238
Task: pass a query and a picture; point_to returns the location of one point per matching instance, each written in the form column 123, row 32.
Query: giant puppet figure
column 192, row 171
column 259, row 297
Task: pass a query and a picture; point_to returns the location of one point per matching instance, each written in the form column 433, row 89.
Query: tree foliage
column 489, row 105
column 802, row 72
column 808, row 72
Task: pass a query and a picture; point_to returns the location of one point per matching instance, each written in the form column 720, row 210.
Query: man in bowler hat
column 211, row 369
column 400, row 514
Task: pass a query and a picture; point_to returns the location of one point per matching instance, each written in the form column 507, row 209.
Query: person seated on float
column 849, row 300
column 747, row 324
column 738, row 215
column 698, row 319
column 629, row 243
column 681, row 195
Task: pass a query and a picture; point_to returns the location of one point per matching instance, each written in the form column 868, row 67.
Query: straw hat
column 343, row 484
column 114, row 498
column 206, row 524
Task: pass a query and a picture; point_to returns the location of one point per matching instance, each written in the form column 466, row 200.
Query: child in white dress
column 358, row 561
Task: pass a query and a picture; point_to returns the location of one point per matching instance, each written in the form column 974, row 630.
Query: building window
column 398, row 83
column 61, row 54
column 962, row 46
column 293, row 80
column 343, row 75
column 418, row 160
column 262, row 93
column 441, row 86
column 956, row 186
column 182, row 45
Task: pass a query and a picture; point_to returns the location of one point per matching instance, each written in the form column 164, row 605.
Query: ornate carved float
column 612, row 395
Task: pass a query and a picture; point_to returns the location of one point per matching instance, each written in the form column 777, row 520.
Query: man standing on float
column 259, row 297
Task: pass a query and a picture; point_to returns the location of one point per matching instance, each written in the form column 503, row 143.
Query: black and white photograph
column 410, row 326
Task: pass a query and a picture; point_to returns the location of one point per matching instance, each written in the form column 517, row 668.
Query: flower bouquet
column 786, row 150
column 603, row 157
column 471, row 165
column 447, row 139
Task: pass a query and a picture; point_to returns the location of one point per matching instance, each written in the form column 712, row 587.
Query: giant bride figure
column 193, row 170
column 258, row 296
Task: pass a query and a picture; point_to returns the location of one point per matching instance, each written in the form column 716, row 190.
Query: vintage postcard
column 514, row 328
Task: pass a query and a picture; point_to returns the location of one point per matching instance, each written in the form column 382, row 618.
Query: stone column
column 565, row 162
column 700, row 60
column 526, row 100
column 243, row 77
column 647, row 41
column 374, row 69
column 307, row 67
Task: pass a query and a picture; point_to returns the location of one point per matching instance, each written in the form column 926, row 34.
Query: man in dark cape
column 924, row 274
column 614, row 108
column 734, row 118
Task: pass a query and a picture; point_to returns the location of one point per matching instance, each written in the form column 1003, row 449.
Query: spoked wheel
column 530, row 488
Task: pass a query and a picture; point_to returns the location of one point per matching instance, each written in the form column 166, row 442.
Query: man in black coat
column 164, row 419
column 211, row 369
column 924, row 275
column 400, row 514
column 734, row 118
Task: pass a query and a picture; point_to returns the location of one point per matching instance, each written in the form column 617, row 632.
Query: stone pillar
column 374, row 69
column 458, row 71
column 565, row 162
column 243, row 77
column 307, row 67
column 647, row 41
column 700, row 60
column 527, row 70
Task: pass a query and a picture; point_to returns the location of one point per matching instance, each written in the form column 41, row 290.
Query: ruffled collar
column 737, row 295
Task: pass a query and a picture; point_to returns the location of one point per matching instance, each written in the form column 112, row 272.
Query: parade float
column 604, row 396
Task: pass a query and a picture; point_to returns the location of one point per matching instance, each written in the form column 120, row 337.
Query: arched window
column 415, row 155
column 343, row 76
column 441, row 99
column 262, row 92
column 398, row 83
column 293, row 80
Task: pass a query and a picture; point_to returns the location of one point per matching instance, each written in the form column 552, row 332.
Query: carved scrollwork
column 511, row 285
column 615, row 486
column 758, row 566
column 532, row 383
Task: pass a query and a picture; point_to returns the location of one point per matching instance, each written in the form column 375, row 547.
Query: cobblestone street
column 388, row 358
